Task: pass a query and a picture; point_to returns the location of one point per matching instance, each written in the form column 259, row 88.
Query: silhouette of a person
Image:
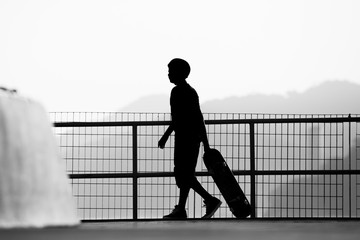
column 188, row 124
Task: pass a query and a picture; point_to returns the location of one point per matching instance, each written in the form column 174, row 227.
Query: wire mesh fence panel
column 296, row 196
column 156, row 197
column 103, row 198
column 288, row 165
column 96, row 149
column 308, row 148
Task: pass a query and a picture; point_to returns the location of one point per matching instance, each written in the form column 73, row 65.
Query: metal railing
column 289, row 166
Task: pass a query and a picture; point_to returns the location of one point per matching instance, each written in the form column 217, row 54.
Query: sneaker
column 211, row 207
column 177, row 213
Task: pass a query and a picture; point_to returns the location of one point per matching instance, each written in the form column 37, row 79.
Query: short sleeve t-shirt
column 185, row 111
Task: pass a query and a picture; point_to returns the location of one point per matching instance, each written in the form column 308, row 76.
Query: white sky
column 83, row 55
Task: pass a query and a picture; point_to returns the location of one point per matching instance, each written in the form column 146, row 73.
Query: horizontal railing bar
column 306, row 172
column 210, row 122
column 284, row 120
column 119, row 175
column 236, row 173
column 128, row 175
column 111, row 124
column 227, row 219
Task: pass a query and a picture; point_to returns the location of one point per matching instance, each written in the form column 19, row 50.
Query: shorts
column 185, row 159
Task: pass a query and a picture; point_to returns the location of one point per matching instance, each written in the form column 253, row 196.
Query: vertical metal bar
column 135, row 173
column 252, row 170
column 343, row 176
column 350, row 209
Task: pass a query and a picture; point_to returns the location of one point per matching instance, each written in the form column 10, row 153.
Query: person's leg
column 211, row 203
column 199, row 189
column 182, row 170
column 179, row 211
column 184, row 193
column 192, row 157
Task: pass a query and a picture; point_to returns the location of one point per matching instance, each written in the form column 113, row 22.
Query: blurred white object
column 34, row 188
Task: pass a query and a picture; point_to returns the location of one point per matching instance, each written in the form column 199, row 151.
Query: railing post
column 252, row 171
column 135, row 172
column 350, row 186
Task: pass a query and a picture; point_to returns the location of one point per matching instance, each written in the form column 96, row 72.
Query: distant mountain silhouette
column 328, row 97
column 340, row 97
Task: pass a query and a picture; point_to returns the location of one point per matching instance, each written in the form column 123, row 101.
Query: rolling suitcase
column 227, row 184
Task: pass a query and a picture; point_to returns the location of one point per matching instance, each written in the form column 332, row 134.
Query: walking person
column 188, row 124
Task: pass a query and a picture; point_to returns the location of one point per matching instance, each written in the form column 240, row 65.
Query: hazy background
column 83, row 55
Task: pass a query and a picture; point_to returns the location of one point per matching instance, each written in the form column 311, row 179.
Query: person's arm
column 203, row 136
column 196, row 111
column 164, row 138
column 202, row 128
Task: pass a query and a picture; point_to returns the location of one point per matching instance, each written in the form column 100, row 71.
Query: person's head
column 179, row 70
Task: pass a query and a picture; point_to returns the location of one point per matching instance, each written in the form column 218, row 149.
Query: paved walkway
column 197, row 229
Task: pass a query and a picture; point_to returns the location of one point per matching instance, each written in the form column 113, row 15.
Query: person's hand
column 162, row 142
